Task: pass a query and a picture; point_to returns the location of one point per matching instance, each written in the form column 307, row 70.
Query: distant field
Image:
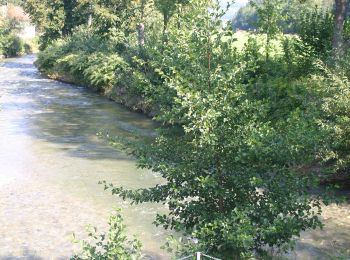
column 243, row 36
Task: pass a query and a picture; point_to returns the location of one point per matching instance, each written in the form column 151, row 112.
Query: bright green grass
column 243, row 36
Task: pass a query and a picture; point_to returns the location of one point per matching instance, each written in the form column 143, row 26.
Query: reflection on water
column 51, row 162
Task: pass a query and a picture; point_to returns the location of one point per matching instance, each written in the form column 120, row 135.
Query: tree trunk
column 267, row 47
column 90, row 20
column 141, row 34
column 179, row 11
column 165, row 25
column 340, row 13
column 141, row 25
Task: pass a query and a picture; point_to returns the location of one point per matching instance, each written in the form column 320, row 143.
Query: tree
column 340, row 12
column 55, row 18
column 168, row 8
column 229, row 166
column 83, row 11
column 111, row 17
column 144, row 9
column 38, row 12
column 141, row 25
column 247, row 17
column 69, row 19
column 50, row 17
column 269, row 14
column 339, row 19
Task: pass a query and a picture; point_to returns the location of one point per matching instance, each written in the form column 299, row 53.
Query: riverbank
column 55, row 130
column 120, row 76
column 119, row 95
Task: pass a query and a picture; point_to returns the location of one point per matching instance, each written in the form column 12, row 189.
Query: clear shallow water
column 51, row 162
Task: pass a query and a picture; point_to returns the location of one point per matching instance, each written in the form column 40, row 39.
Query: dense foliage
column 246, row 134
column 247, row 17
column 11, row 24
column 10, row 43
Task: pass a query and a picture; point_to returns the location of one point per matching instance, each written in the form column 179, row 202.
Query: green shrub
column 13, row 46
column 10, row 43
column 111, row 245
column 315, row 30
column 47, row 58
column 101, row 65
column 31, row 46
column 28, row 49
column 335, row 117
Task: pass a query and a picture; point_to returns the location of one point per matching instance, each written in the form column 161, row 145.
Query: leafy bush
column 335, row 119
column 31, row 46
column 12, row 45
column 102, row 64
column 111, row 245
column 28, row 49
column 47, row 59
column 316, row 31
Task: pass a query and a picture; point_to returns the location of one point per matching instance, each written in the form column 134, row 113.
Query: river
column 51, row 161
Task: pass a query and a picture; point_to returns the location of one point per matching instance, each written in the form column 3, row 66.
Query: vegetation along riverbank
column 247, row 133
column 16, row 36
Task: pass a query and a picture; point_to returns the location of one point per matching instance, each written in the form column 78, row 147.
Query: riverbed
column 51, row 162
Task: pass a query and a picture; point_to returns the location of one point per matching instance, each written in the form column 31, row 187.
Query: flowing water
column 51, row 162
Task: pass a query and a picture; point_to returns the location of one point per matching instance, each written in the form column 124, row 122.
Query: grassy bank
column 105, row 67
column 126, row 75
column 129, row 98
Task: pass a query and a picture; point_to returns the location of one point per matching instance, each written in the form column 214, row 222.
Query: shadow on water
column 310, row 251
column 66, row 114
column 26, row 254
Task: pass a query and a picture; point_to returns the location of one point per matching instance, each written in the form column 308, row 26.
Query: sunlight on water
column 51, row 162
